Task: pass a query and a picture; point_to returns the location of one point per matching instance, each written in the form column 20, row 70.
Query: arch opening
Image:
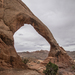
column 27, row 39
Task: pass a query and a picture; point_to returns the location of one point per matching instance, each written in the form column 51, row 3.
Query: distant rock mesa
column 13, row 15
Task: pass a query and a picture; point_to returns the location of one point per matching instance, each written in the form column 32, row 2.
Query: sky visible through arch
column 58, row 16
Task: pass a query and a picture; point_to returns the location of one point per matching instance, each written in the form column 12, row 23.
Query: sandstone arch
column 13, row 15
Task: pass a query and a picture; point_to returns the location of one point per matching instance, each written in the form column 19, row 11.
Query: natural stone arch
column 27, row 38
column 13, row 15
column 20, row 15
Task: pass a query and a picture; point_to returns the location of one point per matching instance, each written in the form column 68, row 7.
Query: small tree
column 51, row 69
column 73, row 67
column 25, row 61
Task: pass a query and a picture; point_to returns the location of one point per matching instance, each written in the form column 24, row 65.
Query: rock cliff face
column 61, row 59
column 13, row 15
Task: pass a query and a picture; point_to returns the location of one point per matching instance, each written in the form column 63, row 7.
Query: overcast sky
column 58, row 16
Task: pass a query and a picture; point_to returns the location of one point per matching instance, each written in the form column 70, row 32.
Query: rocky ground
column 19, row 72
column 35, row 66
column 37, row 57
column 42, row 54
column 71, row 54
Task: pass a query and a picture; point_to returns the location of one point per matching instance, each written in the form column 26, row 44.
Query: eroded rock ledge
column 13, row 15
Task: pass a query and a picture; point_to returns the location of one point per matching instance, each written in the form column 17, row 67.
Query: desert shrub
column 2, row 69
column 51, row 69
column 73, row 67
column 25, row 61
column 38, row 62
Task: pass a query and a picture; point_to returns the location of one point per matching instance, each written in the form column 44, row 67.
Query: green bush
column 73, row 67
column 2, row 69
column 51, row 69
column 25, row 61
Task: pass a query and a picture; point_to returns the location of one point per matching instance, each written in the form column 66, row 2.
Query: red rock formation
column 13, row 15
column 8, row 56
column 61, row 59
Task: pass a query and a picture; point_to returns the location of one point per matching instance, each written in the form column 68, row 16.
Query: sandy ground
column 19, row 72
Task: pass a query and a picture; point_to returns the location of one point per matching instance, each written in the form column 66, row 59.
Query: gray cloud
column 57, row 15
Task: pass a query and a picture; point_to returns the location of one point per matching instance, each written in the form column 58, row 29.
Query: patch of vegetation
column 2, row 69
column 51, row 69
column 73, row 67
column 25, row 61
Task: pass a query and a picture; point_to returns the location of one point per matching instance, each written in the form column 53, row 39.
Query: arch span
column 17, row 14
column 27, row 39
column 20, row 15
column 13, row 15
